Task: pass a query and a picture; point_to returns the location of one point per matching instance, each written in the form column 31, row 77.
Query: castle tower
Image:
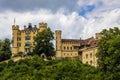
column 42, row 26
column 15, row 29
column 98, row 36
column 58, row 43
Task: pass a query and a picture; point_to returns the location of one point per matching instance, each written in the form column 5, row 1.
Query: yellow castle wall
column 89, row 56
column 19, row 40
column 66, row 49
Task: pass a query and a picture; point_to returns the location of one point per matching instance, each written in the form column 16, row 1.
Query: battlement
column 58, row 32
column 15, row 27
column 42, row 25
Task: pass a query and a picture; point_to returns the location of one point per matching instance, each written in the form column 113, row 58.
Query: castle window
column 18, row 39
column 90, row 55
column 91, row 62
column 64, row 47
column 71, row 48
column 86, row 56
column 27, row 44
column 67, row 48
column 27, row 49
column 27, row 38
column 19, row 44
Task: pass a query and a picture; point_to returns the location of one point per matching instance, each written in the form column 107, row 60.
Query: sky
column 75, row 18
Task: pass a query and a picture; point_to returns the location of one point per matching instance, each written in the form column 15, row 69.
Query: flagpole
column 14, row 21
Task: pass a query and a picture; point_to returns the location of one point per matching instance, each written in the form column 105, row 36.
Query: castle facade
column 23, row 40
column 84, row 50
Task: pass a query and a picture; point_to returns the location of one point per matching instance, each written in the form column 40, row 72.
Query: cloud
column 98, row 5
column 73, row 25
column 69, row 23
column 28, row 5
column 105, row 14
column 101, row 20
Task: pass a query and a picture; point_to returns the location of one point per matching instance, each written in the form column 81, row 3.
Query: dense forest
column 38, row 69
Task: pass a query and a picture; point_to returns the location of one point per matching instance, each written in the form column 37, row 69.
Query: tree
column 1, row 44
column 44, row 43
column 5, row 50
column 109, row 54
column 38, row 69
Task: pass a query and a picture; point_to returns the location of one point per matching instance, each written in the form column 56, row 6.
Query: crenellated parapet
column 58, row 32
column 15, row 27
column 42, row 25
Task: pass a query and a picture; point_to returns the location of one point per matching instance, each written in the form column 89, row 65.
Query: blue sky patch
column 86, row 9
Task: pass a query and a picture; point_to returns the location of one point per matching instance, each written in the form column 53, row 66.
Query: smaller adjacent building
column 84, row 50
column 23, row 40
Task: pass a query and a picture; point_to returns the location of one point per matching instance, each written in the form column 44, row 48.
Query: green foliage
column 18, row 54
column 30, row 53
column 38, row 69
column 44, row 43
column 109, row 54
column 5, row 51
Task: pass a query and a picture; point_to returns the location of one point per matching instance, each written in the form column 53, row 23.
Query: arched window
column 27, row 44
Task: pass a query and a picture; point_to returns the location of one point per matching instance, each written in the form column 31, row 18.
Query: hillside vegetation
column 38, row 69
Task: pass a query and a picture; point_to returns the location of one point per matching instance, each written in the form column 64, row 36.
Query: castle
column 23, row 40
column 84, row 50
